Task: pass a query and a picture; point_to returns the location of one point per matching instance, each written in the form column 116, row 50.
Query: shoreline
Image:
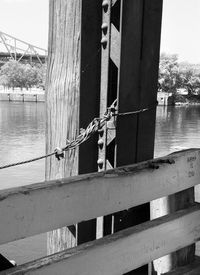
column 34, row 95
column 186, row 103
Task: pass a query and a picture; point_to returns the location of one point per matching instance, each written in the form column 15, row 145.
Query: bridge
column 12, row 48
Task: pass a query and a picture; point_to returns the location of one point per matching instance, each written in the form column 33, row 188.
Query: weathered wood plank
column 122, row 251
column 164, row 206
column 41, row 207
column 192, row 269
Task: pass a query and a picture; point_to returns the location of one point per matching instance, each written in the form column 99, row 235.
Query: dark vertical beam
column 129, row 100
column 89, row 97
column 129, row 80
column 149, row 78
column 140, row 42
column 90, row 80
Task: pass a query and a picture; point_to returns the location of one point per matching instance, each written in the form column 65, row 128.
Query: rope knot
column 59, row 154
column 108, row 114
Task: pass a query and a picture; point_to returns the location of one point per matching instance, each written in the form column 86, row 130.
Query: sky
column 181, row 29
column 28, row 20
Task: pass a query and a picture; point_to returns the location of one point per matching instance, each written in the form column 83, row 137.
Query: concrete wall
column 24, row 97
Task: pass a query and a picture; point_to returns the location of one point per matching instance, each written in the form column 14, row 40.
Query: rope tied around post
column 136, row 111
column 85, row 134
column 95, row 125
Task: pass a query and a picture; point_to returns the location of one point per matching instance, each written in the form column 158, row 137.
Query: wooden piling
column 62, row 100
column 73, row 87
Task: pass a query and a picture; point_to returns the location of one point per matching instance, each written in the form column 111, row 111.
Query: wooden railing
column 41, row 207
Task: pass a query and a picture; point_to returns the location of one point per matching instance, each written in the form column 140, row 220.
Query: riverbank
column 24, row 95
column 186, row 99
column 165, row 99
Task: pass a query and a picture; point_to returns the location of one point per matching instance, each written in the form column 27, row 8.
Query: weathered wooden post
column 73, row 66
column 62, row 100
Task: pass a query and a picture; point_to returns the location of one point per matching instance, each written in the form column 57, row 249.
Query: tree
column 14, row 74
column 41, row 76
column 174, row 75
column 168, row 73
column 190, row 81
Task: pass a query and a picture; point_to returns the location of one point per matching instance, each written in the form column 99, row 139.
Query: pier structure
column 108, row 206
column 22, row 95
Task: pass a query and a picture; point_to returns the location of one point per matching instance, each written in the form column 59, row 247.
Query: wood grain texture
column 191, row 269
column 122, row 251
column 62, row 100
column 37, row 208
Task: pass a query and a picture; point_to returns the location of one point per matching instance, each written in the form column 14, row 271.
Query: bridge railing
column 41, row 207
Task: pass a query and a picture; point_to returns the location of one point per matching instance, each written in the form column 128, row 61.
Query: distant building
column 196, row 91
column 182, row 91
column 163, row 98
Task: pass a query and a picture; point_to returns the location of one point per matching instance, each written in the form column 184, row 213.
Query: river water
column 177, row 128
column 22, row 136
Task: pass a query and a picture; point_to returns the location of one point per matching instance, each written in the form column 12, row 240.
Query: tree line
column 15, row 74
column 174, row 75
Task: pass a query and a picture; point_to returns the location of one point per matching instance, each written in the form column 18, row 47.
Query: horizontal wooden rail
column 192, row 269
column 122, row 251
column 37, row 208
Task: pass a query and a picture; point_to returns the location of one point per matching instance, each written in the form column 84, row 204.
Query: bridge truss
column 12, row 48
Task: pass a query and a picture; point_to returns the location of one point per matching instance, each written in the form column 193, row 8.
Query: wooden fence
column 41, row 207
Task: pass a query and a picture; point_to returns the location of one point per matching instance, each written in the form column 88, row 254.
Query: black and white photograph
column 99, row 137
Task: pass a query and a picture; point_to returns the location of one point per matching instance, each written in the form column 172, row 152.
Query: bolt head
column 101, row 132
column 104, row 42
column 100, row 141
column 100, row 161
column 104, row 27
column 105, row 5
